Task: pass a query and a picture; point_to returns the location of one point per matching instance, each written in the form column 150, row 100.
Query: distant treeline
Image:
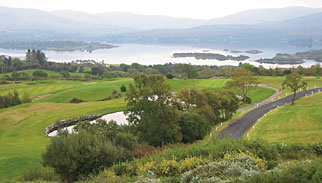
column 36, row 59
column 56, row 45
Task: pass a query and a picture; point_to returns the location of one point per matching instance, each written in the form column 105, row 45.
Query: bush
column 80, row 154
column 4, row 82
column 76, row 100
column 65, row 74
column 40, row 74
column 123, row 88
column 226, row 170
column 248, row 100
column 40, row 174
column 9, row 100
column 300, row 172
column 169, row 76
column 26, row 98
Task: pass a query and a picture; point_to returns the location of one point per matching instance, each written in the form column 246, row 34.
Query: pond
column 118, row 117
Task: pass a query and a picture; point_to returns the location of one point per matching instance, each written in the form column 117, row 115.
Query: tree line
column 36, row 59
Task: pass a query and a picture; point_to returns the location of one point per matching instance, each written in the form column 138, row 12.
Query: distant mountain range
column 278, row 26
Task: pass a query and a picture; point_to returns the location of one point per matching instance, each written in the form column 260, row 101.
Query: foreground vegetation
column 22, row 127
column 217, row 161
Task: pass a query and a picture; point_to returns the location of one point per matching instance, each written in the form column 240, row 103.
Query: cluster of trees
column 198, row 71
column 13, row 99
column 16, row 76
column 34, row 57
column 156, row 116
column 161, row 118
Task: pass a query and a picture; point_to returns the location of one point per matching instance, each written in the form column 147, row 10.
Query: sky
column 198, row 9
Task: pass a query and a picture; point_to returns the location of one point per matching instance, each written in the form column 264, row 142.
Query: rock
column 70, row 121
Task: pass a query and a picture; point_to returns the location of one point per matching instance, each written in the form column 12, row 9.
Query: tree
column 97, row 71
column 242, row 81
column 150, row 110
column 188, row 70
column 81, row 69
column 28, row 55
column 294, row 82
column 193, row 127
column 33, row 57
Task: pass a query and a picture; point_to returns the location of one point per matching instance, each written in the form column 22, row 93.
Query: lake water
column 160, row 54
column 118, row 117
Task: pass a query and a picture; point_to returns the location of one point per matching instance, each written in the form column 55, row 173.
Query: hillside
column 300, row 123
column 275, row 27
column 261, row 16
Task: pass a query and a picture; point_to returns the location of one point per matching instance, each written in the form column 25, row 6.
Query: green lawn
column 22, row 129
column 89, row 91
column 277, row 82
column 301, row 122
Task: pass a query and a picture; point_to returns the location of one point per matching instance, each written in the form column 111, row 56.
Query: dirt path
column 40, row 97
column 278, row 93
column 242, row 125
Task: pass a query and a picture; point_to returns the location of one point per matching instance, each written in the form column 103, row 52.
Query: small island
column 297, row 58
column 248, row 51
column 282, row 58
column 56, row 45
column 210, row 56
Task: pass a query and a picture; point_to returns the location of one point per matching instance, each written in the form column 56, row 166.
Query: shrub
column 123, row 88
column 226, row 170
column 9, row 100
column 300, row 172
column 4, row 82
column 40, row 74
column 192, row 163
column 65, row 74
column 26, row 98
column 248, row 100
column 80, row 154
column 169, row 76
column 76, row 100
column 40, row 174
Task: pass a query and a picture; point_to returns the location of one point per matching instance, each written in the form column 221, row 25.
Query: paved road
column 241, row 126
column 278, row 93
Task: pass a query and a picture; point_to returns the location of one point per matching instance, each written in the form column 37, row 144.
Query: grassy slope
column 277, row 82
column 22, row 130
column 289, row 124
column 30, row 71
column 50, row 73
column 22, row 127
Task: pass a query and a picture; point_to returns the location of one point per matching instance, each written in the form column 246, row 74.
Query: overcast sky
column 202, row 9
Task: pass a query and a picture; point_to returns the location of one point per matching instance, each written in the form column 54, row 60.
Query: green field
column 50, row 73
column 299, row 123
column 277, row 82
column 22, row 127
